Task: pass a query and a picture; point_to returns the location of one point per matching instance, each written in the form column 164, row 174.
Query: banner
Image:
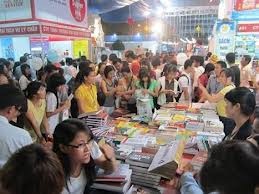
column 242, row 5
column 80, row 48
column 7, row 47
column 20, row 30
column 250, row 28
column 11, row 10
column 225, row 38
column 70, row 12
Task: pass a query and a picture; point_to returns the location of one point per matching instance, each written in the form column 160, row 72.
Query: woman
column 204, row 78
column 36, row 118
column 240, row 107
column 169, row 85
column 226, row 79
column 147, row 88
column 126, row 89
column 78, row 153
column 25, row 79
column 109, row 89
column 232, row 168
column 100, row 73
column 55, row 107
column 86, row 93
column 146, row 64
column 35, row 170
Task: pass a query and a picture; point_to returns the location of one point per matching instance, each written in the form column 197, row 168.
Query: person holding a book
column 226, row 78
column 222, row 174
column 240, row 107
column 86, row 93
column 79, row 153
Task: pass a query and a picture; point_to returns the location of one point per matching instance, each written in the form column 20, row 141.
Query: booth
column 35, row 26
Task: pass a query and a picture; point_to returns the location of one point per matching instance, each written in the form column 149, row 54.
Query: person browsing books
column 78, row 153
column 86, row 93
column 240, row 106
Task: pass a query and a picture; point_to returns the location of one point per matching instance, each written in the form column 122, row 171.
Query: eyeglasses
column 82, row 146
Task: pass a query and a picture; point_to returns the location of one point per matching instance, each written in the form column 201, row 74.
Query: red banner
column 64, row 31
column 248, row 27
column 20, row 30
column 241, row 5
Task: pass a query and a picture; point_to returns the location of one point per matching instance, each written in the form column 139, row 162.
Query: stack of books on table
column 199, row 159
column 193, row 125
column 213, row 125
column 117, row 182
column 95, row 119
column 139, row 163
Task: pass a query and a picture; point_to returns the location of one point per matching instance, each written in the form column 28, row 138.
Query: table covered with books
column 153, row 151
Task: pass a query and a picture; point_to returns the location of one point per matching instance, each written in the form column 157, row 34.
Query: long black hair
column 54, row 82
column 81, row 74
column 23, row 70
column 144, row 73
column 64, row 134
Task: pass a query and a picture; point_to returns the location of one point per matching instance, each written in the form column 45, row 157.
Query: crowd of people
column 41, row 141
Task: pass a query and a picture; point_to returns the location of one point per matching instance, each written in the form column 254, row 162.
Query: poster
column 15, row 10
column 242, row 5
column 70, row 12
column 7, row 48
column 225, row 38
column 245, row 45
column 80, row 48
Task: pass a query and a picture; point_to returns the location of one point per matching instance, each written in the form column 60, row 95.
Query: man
column 231, row 59
column 185, row 83
column 246, row 71
column 133, row 62
column 214, row 86
column 12, row 104
column 104, row 59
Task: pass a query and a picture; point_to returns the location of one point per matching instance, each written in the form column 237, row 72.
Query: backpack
column 179, row 89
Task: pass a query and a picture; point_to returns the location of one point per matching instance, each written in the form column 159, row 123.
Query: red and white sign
column 64, row 31
column 15, row 10
column 248, row 27
column 20, row 30
column 67, row 12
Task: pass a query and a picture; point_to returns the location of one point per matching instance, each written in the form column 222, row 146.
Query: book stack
column 96, row 119
column 118, row 182
column 199, row 159
column 139, row 163
column 167, row 159
column 193, row 125
column 213, row 126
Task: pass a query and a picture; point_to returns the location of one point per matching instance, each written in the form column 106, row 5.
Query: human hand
column 107, row 151
column 145, row 91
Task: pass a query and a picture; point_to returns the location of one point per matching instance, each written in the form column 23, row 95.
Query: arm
column 186, row 93
column 189, row 184
column 45, row 124
column 211, row 98
column 58, row 110
column 29, row 115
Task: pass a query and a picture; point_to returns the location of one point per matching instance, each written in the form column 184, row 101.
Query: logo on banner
column 225, row 28
column 78, row 9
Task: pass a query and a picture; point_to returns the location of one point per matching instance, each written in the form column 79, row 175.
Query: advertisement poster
column 7, row 47
column 80, row 48
column 70, row 12
column 245, row 45
column 15, row 10
column 41, row 46
column 225, row 38
column 242, row 5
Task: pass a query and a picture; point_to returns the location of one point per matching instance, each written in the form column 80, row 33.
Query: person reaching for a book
column 79, row 153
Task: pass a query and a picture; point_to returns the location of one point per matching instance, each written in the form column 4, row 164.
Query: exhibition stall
column 36, row 26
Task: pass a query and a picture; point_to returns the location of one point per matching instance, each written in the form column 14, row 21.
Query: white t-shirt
column 51, row 107
column 77, row 185
column 185, row 82
column 198, row 72
column 158, row 73
column 11, row 139
column 23, row 82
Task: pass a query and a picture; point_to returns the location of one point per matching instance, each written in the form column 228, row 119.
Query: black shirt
column 243, row 133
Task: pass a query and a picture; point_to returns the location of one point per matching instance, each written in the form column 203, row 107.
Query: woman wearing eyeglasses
column 78, row 153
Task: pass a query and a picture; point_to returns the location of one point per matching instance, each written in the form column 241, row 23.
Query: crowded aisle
column 126, row 98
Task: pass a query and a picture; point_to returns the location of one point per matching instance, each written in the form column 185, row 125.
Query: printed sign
column 20, row 30
column 70, row 12
column 225, row 38
column 248, row 27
